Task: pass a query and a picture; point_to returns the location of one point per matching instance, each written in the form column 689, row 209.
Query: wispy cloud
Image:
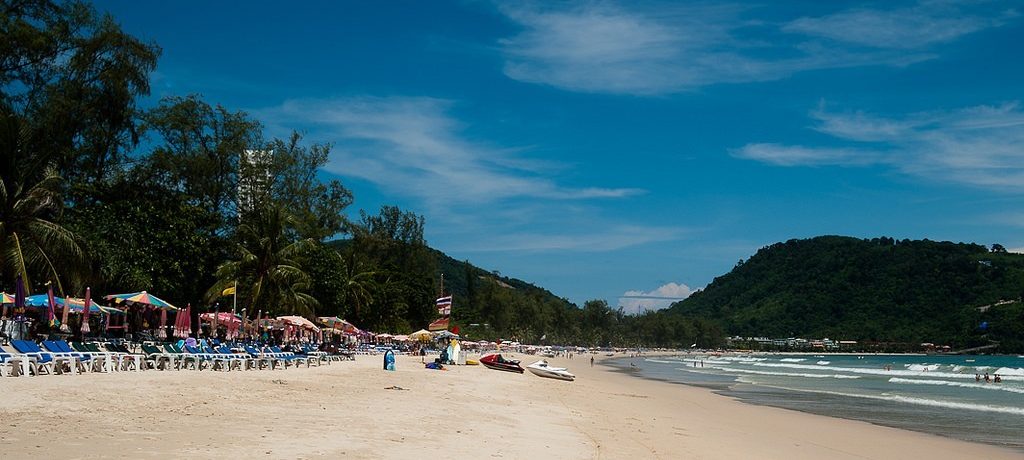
column 980, row 146
column 918, row 26
column 633, row 302
column 412, row 146
column 605, row 238
column 490, row 197
column 647, row 49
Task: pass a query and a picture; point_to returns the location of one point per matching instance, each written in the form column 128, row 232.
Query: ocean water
column 932, row 394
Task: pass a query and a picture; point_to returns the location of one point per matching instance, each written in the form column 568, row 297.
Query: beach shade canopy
column 401, row 338
column 421, row 334
column 299, row 322
column 142, row 298
column 6, row 299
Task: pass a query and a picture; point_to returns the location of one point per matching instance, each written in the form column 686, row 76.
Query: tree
column 267, row 268
column 293, row 173
column 75, row 75
column 31, row 240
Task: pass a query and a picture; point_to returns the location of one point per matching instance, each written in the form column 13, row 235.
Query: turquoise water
column 933, row 394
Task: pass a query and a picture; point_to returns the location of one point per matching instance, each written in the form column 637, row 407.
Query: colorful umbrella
column 5, row 300
column 186, row 321
column 299, row 322
column 143, row 298
column 85, row 311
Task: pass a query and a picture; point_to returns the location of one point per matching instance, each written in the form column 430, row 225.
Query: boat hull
column 552, row 374
column 495, row 362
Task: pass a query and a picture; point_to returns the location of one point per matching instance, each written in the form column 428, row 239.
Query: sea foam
column 980, row 386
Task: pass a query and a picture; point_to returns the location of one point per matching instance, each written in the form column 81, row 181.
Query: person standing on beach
column 591, row 361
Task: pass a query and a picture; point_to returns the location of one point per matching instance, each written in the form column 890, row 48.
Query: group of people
column 995, row 378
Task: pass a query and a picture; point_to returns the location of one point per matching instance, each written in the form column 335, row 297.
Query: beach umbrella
column 143, row 298
column 85, row 312
column 213, row 329
column 6, row 299
column 421, row 335
column 187, row 321
column 51, row 316
column 162, row 332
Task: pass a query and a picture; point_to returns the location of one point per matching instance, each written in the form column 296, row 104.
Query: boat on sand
column 497, row 362
column 543, row 369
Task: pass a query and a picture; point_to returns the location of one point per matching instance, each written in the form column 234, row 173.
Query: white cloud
column 1019, row 250
column 646, row 49
column 662, row 297
column 918, row 26
column 981, row 146
column 412, row 146
column 607, row 238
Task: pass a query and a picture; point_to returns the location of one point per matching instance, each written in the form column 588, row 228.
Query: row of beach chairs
column 61, row 357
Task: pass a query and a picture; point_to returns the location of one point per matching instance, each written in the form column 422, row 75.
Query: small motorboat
column 497, row 362
column 543, row 369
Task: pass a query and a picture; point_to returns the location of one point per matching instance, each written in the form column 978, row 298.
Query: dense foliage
column 878, row 290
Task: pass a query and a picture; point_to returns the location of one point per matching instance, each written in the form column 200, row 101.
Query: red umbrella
column 85, row 312
column 186, row 322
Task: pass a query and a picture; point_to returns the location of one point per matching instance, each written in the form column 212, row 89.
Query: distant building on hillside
column 254, row 178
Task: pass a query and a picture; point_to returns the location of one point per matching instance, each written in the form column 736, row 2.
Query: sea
column 926, row 393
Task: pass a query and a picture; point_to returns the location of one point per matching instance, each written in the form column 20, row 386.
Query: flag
column 439, row 325
column 444, row 305
column 228, row 291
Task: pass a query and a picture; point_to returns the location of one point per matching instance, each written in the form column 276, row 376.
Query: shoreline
column 349, row 409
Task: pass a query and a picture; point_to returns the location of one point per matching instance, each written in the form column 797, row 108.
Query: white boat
column 542, row 369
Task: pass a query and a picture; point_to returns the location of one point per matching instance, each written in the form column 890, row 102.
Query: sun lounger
column 45, row 361
column 20, row 365
column 320, row 356
column 126, row 359
column 186, row 357
column 78, row 360
column 289, row 356
column 263, row 358
column 160, row 359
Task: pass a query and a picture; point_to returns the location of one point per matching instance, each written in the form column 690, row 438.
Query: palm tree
column 30, row 202
column 357, row 285
column 267, row 264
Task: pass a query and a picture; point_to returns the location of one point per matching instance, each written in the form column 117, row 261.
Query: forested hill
column 876, row 290
column 459, row 279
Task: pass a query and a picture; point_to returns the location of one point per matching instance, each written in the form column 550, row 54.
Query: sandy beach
column 346, row 409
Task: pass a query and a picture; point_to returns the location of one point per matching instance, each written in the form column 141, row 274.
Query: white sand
column 466, row 412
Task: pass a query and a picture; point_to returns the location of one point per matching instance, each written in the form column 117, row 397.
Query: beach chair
column 213, row 361
column 126, row 359
column 289, row 356
column 246, row 362
column 156, row 358
column 86, row 360
column 227, row 361
column 45, row 362
column 19, row 365
column 263, row 359
column 187, row 358
column 320, row 356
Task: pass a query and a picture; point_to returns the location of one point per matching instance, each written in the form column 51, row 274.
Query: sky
column 630, row 151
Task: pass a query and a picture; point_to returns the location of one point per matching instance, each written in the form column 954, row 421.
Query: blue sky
column 604, row 149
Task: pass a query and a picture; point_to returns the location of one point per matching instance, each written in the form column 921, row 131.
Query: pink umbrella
column 85, row 312
column 162, row 332
column 186, row 321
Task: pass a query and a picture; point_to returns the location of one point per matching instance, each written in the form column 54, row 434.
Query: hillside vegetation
column 869, row 290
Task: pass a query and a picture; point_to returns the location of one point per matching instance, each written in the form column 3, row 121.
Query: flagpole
column 234, row 302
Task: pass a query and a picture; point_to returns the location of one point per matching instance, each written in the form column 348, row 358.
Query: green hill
column 869, row 290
